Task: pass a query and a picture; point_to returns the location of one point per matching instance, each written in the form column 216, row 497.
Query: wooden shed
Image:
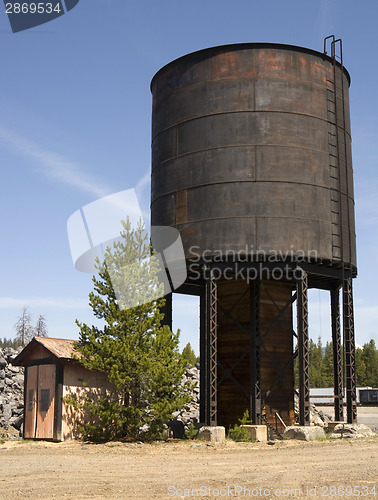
column 51, row 373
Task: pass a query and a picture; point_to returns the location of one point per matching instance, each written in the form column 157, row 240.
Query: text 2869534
column 33, row 8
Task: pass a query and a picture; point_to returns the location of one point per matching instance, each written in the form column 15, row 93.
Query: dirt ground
column 75, row 470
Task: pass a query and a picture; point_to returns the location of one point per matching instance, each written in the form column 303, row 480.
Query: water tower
column 251, row 162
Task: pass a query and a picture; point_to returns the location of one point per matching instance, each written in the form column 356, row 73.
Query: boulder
column 351, row 431
column 304, row 433
column 13, row 369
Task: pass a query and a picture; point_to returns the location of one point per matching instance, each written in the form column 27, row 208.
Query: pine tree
column 327, row 374
column 189, row 355
column 316, row 363
column 370, row 359
column 8, row 343
column 360, row 368
column 138, row 354
column 23, row 327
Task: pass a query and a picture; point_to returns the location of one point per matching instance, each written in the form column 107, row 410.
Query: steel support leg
column 212, row 299
column 350, row 351
column 303, row 350
column 255, row 342
column 204, row 349
column 337, row 355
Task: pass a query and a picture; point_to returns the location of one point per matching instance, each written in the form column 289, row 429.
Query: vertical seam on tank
column 177, row 132
column 256, row 162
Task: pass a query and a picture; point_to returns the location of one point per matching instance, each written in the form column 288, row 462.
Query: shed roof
column 58, row 348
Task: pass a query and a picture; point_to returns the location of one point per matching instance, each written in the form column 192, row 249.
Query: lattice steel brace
column 303, row 349
column 212, row 299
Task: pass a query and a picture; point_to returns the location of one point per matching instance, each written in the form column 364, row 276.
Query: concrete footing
column 257, row 432
column 214, row 434
column 304, row 433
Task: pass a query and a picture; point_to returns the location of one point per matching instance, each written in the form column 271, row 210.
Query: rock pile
column 317, row 417
column 11, row 390
column 189, row 414
column 351, row 431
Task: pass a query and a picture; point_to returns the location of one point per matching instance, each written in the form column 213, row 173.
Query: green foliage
column 321, row 365
column 238, row 432
column 367, row 365
column 8, row 343
column 188, row 355
column 138, row 354
column 191, row 432
column 316, row 364
column 327, row 365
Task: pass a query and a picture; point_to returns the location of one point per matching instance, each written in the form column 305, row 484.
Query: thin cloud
column 144, row 201
column 143, row 183
column 325, row 21
column 54, row 166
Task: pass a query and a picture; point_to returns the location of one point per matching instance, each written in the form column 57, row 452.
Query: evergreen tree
column 360, row 368
column 321, row 365
column 189, row 355
column 370, row 359
column 327, row 374
column 138, row 354
column 8, row 343
column 316, row 363
column 24, row 329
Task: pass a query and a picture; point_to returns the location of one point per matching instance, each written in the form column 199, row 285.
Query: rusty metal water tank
column 251, row 148
column 251, row 162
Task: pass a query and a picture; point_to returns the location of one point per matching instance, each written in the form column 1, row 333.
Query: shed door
column 31, row 401
column 45, row 402
column 40, row 395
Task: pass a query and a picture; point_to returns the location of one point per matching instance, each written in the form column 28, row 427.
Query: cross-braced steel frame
column 208, row 347
column 350, row 351
column 303, row 350
column 343, row 346
column 337, row 354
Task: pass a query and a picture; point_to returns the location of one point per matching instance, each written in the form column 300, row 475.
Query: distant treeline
column 321, row 365
column 4, row 342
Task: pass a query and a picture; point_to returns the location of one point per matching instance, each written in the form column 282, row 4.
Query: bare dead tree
column 41, row 327
column 24, row 328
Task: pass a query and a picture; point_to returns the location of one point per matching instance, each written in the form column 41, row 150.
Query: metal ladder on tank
column 338, row 148
column 337, row 142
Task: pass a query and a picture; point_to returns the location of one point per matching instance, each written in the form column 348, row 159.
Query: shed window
column 30, row 399
column 45, row 399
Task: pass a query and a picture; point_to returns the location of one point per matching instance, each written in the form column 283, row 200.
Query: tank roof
column 250, row 45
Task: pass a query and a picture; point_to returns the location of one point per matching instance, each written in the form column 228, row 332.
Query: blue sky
column 75, row 115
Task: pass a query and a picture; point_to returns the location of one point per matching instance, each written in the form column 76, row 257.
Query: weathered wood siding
column 79, row 381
